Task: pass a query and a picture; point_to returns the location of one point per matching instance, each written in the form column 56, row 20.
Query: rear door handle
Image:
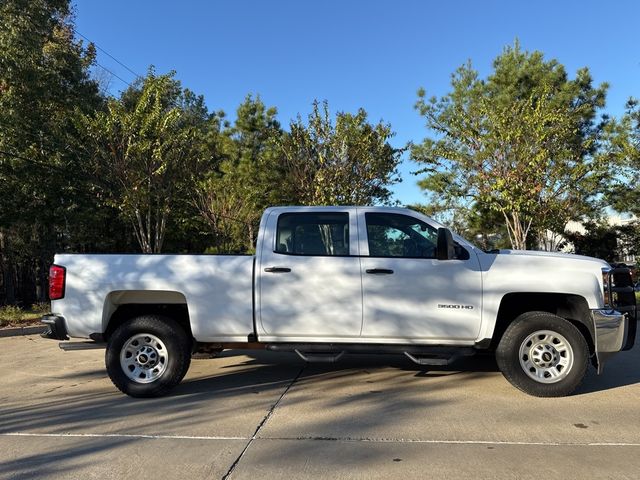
column 379, row 271
column 277, row 270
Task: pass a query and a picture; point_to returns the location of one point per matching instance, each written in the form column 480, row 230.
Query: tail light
column 57, row 280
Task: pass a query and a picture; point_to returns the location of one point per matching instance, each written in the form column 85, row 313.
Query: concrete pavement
column 255, row 414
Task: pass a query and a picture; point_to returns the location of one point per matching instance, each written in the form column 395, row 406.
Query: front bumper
column 614, row 332
column 57, row 329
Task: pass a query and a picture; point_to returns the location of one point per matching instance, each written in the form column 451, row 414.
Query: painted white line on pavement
column 459, row 442
column 336, row 439
column 119, row 435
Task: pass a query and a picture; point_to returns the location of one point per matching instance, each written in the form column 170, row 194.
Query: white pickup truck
column 332, row 280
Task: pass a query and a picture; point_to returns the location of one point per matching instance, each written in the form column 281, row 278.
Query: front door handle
column 379, row 271
column 277, row 270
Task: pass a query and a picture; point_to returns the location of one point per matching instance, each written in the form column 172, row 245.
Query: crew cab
column 332, row 280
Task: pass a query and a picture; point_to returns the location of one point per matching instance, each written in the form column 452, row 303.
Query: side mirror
column 446, row 247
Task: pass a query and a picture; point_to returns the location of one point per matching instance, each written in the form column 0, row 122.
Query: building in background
column 561, row 242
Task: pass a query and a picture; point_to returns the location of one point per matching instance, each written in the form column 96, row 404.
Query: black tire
column 533, row 373
column 169, row 345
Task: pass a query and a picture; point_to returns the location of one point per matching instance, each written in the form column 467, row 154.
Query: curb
column 17, row 331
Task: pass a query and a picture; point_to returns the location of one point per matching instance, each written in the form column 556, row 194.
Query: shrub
column 43, row 307
column 14, row 315
column 10, row 314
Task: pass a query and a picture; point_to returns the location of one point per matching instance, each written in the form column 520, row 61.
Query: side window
column 395, row 235
column 313, row 234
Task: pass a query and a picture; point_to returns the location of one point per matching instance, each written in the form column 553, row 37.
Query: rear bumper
column 57, row 329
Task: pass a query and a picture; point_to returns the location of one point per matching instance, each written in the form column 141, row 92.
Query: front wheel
column 543, row 355
column 147, row 356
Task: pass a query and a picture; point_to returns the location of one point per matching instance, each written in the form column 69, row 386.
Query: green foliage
column 521, row 143
column 247, row 180
column 486, row 227
column 347, row 163
column 12, row 315
column 40, row 308
column 610, row 242
column 622, row 148
column 44, row 79
column 146, row 151
column 629, row 239
column 600, row 241
column 316, row 163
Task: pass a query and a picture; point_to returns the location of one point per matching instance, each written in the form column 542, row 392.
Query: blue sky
column 371, row 54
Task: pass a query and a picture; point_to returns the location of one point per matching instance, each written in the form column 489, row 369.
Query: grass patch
column 14, row 316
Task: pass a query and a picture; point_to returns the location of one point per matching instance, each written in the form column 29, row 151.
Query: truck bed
column 218, row 290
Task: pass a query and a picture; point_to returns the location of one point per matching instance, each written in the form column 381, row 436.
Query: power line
column 106, row 53
column 119, row 78
column 73, row 29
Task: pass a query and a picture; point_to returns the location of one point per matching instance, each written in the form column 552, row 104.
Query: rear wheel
column 543, row 355
column 148, row 356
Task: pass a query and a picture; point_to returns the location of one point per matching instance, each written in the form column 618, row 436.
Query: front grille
column 621, row 289
column 622, row 297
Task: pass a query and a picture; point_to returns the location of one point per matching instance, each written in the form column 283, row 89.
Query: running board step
column 440, row 360
column 73, row 346
column 319, row 357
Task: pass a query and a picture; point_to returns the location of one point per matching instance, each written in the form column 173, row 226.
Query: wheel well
column 573, row 308
column 178, row 312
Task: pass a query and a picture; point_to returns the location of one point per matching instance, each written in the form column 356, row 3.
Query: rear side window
column 319, row 234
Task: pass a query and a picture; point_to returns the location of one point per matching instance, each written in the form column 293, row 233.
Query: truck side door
column 408, row 293
column 308, row 276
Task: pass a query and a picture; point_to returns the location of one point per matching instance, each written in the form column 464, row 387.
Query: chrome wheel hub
column 143, row 358
column 546, row 356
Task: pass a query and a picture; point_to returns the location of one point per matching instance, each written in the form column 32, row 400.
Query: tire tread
column 509, row 363
column 177, row 342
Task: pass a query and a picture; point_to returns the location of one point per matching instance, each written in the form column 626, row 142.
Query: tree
column 317, row 163
column 248, row 178
column 147, row 151
column 44, row 79
column 349, row 162
column 623, row 148
column 522, row 143
column 599, row 240
column 486, row 227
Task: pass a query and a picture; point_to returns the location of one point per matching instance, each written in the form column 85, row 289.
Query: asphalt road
column 249, row 415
